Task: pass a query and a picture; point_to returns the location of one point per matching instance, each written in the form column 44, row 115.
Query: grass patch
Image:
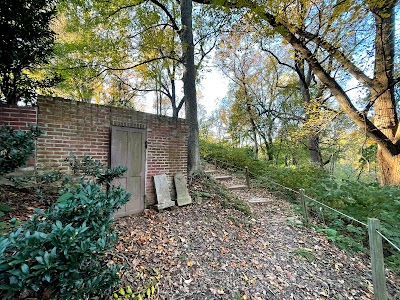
column 304, row 253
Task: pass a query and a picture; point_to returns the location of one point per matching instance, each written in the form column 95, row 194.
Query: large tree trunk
column 386, row 118
column 314, row 151
column 269, row 149
column 189, row 86
column 313, row 135
column 386, row 121
column 389, row 166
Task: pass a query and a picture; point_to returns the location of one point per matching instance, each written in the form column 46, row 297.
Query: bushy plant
column 239, row 157
column 86, row 167
column 60, row 252
column 3, row 208
column 92, row 168
column 16, row 147
column 355, row 198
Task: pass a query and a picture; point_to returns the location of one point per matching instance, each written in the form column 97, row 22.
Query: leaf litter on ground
column 208, row 251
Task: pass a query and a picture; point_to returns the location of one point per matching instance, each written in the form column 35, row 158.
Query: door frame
column 143, row 131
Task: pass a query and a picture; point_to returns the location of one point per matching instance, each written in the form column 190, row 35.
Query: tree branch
column 124, row 7
column 127, row 68
column 151, row 27
column 337, row 54
column 358, row 117
column 277, row 59
column 170, row 17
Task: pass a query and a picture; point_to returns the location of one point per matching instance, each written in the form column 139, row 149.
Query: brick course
column 84, row 129
column 19, row 118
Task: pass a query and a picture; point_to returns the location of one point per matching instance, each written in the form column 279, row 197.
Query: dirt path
column 205, row 251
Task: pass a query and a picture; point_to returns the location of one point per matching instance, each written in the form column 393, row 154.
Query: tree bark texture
column 189, row 86
column 313, row 136
column 253, row 127
column 314, row 150
column 386, row 119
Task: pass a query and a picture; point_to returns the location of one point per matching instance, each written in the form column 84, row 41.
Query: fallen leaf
column 217, row 291
column 190, row 263
column 224, row 250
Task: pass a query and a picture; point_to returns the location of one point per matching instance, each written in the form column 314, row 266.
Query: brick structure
column 85, row 129
column 19, row 118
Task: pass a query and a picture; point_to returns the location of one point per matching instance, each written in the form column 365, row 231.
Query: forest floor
column 208, row 251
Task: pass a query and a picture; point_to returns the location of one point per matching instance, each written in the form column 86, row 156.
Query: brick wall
column 71, row 126
column 19, row 118
column 84, row 129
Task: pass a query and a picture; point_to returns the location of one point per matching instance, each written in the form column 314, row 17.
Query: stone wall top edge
column 113, row 109
column 32, row 107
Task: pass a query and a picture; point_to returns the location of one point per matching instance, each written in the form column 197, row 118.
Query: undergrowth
column 60, row 253
column 354, row 198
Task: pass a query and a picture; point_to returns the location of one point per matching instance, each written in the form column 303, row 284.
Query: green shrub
column 84, row 168
column 3, row 208
column 355, row 198
column 238, row 157
column 16, row 147
column 60, row 252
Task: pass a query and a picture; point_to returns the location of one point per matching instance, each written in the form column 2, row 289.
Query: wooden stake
column 246, row 168
column 377, row 263
column 304, row 207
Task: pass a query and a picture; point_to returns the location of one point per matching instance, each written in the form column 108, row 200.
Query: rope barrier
column 389, row 241
column 337, row 211
column 316, row 201
column 285, row 187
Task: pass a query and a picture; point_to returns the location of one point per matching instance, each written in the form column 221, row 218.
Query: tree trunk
column 386, row 119
column 313, row 135
column 175, row 110
column 314, row 151
column 189, row 86
column 252, row 122
column 254, row 133
column 389, row 166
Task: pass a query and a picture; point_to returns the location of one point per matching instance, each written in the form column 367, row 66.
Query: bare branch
column 170, row 17
column 106, row 68
column 277, row 59
column 151, row 27
column 337, row 54
column 124, row 7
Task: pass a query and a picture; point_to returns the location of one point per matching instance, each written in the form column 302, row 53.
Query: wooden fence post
column 377, row 263
column 246, row 168
column 304, row 206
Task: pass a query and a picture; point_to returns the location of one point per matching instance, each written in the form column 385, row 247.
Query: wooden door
column 128, row 149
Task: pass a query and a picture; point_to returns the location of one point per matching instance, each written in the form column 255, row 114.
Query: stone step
column 210, row 171
column 259, row 200
column 238, row 187
column 223, row 177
